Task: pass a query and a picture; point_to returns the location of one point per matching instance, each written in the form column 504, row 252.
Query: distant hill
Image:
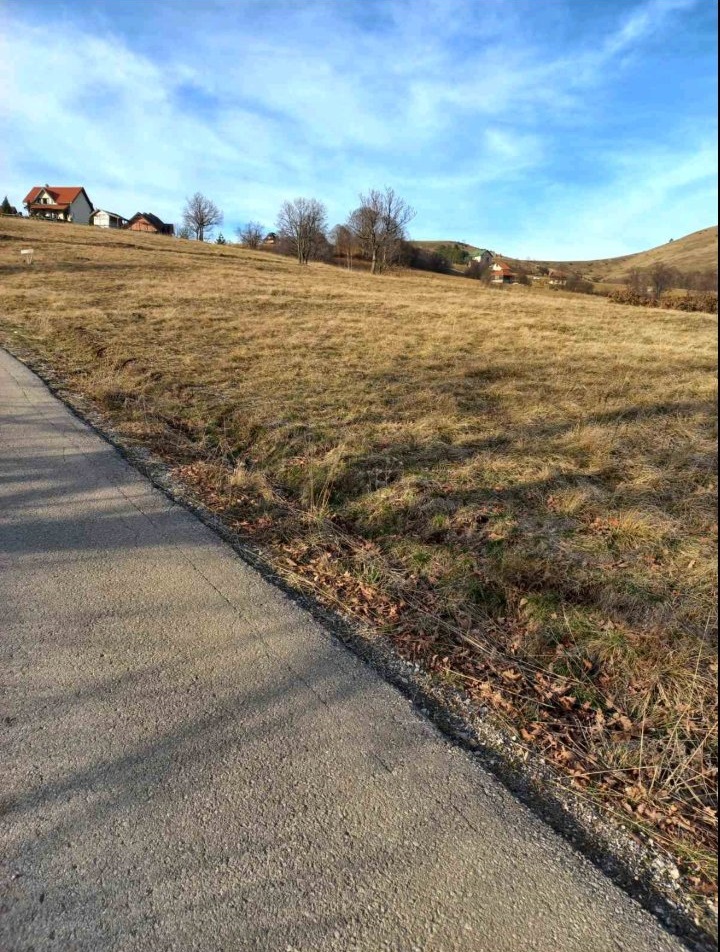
column 439, row 245
column 695, row 252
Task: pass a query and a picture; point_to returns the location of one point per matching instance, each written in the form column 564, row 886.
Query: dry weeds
column 517, row 489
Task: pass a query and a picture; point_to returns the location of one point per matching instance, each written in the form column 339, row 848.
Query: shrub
column 410, row 256
column 479, row 271
column 631, row 296
column 704, row 301
column 579, row 285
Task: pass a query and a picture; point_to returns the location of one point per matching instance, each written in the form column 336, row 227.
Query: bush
column 479, row 271
column 579, row 285
column 410, row 256
column 705, row 301
column 632, row 296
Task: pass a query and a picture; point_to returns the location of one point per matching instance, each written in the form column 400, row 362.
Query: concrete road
column 190, row 762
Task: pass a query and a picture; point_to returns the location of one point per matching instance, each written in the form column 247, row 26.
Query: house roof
column 61, row 194
column 148, row 216
column 114, row 214
column 502, row 266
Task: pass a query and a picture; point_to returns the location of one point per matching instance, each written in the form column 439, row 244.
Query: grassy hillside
column 515, row 488
column 695, row 252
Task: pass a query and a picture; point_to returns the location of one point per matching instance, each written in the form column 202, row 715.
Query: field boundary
column 642, row 870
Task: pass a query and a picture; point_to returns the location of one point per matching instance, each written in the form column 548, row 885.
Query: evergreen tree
column 6, row 208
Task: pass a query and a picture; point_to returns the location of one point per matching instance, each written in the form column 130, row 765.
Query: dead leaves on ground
column 574, row 723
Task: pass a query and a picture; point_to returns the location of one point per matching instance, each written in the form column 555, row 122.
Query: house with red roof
column 502, row 273
column 60, row 203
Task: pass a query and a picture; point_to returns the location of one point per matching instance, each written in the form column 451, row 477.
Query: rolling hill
column 694, row 252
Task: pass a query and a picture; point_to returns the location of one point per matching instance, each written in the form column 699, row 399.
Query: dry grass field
column 517, row 489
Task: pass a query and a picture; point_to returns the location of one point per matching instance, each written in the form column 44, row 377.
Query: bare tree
column 251, row 234
column 345, row 243
column 201, row 216
column 662, row 278
column 302, row 225
column 379, row 226
column 637, row 281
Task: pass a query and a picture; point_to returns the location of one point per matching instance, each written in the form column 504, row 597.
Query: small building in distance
column 270, row 239
column 102, row 218
column 557, row 279
column 502, row 273
column 483, row 256
column 146, row 221
column 59, row 203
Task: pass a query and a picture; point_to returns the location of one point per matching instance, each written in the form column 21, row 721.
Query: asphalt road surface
column 190, row 762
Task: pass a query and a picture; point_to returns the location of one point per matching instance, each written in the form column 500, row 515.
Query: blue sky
column 546, row 128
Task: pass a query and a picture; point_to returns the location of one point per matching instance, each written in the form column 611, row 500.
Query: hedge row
column 705, row 301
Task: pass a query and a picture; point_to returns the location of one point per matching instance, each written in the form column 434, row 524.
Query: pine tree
column 6, row 208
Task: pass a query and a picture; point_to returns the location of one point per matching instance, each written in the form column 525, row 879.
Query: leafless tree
column 662, row 278
column 201, row 216
column 637, row 281
column 379, row 225
column 251, row 234
column 699, row 280
column 346, row 243
column 302, row 225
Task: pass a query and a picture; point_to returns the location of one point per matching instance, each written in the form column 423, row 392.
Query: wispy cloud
column 479, row 117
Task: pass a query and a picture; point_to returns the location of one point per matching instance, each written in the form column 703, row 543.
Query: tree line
column 376, row 230
column 659, row 278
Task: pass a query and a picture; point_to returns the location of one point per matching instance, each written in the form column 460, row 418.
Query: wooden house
column 146, row 221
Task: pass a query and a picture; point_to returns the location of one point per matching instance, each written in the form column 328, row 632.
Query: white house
column 105, row 219
column 59, row 202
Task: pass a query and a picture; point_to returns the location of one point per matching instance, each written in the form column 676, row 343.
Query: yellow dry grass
column 518, row 487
